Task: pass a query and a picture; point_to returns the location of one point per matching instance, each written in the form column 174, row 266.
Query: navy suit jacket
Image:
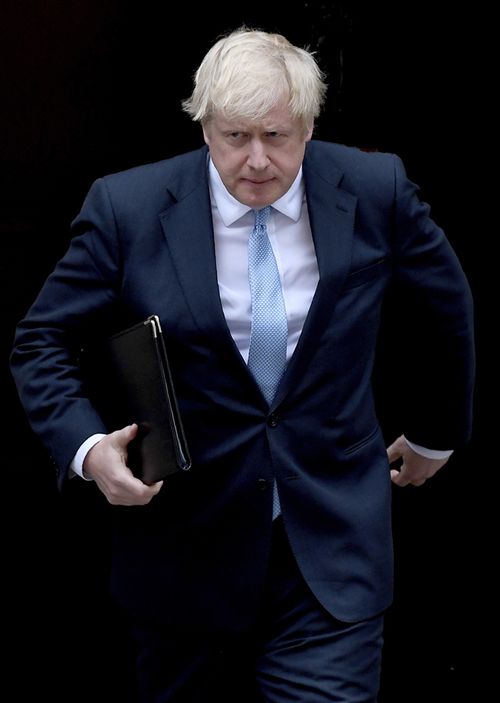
column 196, row 556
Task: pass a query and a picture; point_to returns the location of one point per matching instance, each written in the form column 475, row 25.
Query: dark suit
column 144, row 245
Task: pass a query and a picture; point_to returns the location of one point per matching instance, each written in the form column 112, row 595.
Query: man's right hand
column 106, row 464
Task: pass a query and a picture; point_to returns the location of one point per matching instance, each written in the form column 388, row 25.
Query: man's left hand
column 415, row 469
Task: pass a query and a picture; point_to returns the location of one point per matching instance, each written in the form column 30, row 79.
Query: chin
column 257, row 200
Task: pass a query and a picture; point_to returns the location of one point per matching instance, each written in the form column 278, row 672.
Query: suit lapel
column 188, row 230
column 331, row 214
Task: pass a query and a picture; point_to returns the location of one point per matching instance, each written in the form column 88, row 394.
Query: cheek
column 288, row 167
column 228, row 162
column 292, row 162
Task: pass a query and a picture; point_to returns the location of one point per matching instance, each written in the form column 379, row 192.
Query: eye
column 236, row 136
column 275, row 135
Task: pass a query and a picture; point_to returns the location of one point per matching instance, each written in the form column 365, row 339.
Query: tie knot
column 262, row 216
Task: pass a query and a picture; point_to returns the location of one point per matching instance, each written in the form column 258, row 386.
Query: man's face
column 257, row 160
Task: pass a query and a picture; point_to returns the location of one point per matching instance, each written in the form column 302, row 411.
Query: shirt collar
column 231, row 210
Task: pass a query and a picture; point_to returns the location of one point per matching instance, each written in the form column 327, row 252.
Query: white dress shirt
column 290, row 235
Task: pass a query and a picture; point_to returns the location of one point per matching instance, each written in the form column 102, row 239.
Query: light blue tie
column 269, row 331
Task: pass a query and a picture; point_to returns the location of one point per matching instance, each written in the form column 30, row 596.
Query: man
column 263, row 572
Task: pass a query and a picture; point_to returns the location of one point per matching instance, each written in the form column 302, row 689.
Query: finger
column 155, row 488
column 419, row 482
column 394, row 452
column 399, row 478
column 126, row 489
column 403, row 478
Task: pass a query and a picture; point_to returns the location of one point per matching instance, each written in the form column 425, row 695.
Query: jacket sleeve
column 435, row 316
column 75, row 299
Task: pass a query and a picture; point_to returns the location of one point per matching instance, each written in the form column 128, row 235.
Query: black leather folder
column 129, row 380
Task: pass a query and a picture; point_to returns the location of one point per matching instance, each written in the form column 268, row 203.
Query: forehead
column 278, row 119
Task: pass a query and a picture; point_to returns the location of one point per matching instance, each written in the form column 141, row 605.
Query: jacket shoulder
column 350, row 158
column 370, row 174
column 148, row 181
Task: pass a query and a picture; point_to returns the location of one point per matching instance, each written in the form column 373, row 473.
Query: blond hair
column 248, row 72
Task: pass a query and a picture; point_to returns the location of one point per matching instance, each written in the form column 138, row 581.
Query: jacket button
column 262, row 484
column 272, row 420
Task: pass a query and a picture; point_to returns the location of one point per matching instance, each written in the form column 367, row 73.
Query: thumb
column 395, row 450
column 121, row 438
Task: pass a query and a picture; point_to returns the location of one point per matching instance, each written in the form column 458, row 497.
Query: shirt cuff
column 77, row 464
column 430, row 453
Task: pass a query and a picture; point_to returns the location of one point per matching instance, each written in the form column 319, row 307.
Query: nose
column 257, row 158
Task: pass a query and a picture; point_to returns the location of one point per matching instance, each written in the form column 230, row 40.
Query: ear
column 206, row 135
column 308, row 135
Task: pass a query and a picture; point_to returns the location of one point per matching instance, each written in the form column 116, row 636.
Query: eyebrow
column 248, row 128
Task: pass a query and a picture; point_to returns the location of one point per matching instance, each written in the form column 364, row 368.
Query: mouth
column 256, row 182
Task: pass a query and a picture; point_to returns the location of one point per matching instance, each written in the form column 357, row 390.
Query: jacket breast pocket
column 367, row 273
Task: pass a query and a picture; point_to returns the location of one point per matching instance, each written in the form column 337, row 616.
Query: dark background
column 89, row 88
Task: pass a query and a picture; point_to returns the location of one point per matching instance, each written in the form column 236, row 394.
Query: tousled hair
column 248, row 72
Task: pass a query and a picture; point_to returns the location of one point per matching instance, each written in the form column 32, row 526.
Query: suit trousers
column 296, row 651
